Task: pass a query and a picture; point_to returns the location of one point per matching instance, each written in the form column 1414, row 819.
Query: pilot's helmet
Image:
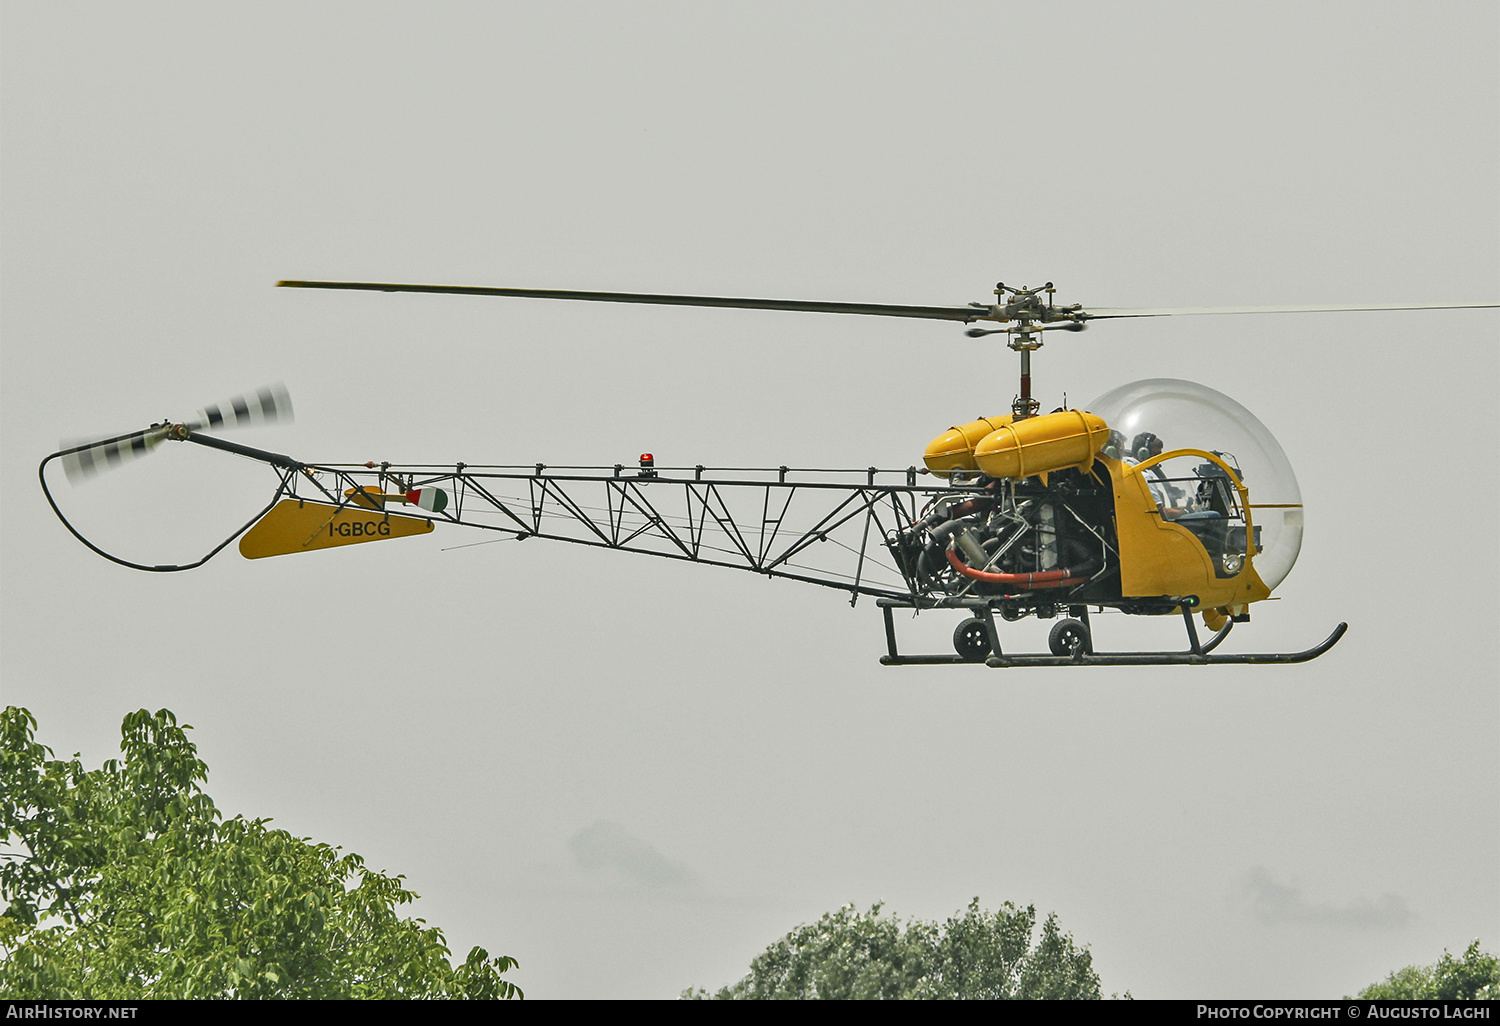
column 1145, row 445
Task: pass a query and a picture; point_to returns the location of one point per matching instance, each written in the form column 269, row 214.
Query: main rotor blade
column 1102, row 313
column 943, row 313
column 84, row 459
column 267, row 405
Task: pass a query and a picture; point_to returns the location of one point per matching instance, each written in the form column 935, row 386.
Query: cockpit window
column 1199, row 495
column 1185, row 415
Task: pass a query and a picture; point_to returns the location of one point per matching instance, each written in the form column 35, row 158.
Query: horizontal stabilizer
column 297, row 525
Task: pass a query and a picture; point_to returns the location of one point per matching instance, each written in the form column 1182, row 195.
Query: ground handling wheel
column 971, row 640
column 1069, row 638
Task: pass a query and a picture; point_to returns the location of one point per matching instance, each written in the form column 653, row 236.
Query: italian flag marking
column 434, row 500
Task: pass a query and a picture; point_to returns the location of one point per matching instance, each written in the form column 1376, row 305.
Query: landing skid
column 1198, row 653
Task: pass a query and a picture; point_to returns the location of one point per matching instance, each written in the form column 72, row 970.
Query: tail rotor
column 266, row 405
column 83, row 459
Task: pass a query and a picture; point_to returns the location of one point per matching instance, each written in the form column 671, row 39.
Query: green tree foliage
column 1476, row 976
column 125, row 882
column 978, row 954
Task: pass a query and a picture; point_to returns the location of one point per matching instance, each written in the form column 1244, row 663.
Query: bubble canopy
column 1185, row 415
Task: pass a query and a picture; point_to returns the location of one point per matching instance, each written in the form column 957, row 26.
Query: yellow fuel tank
column 1040, row 445
column 954, row 448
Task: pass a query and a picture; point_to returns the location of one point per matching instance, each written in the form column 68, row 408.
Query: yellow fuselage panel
column 1041, row 445
column 1158, row 557
column 954, row 448
column 296, row 525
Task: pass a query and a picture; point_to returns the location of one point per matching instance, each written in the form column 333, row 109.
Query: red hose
column 1041, row 579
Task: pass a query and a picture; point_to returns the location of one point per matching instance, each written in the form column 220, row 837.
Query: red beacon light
column 648, row 465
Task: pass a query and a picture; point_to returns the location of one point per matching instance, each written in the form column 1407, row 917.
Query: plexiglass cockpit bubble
column 1185, row 415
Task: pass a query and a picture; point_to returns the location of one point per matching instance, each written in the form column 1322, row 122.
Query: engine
column 1029, row 546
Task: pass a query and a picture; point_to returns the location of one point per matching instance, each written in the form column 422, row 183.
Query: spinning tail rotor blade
column 84, row 458
column 267, row 405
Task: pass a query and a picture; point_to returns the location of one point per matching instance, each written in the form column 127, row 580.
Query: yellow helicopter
column 1020, row 514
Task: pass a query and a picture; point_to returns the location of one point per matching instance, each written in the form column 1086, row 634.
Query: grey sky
column 465, row 717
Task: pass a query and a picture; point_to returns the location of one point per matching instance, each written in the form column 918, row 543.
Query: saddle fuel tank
column 954, row 448
column 1016, row 449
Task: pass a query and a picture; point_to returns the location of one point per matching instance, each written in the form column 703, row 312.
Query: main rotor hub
column 1032, row 315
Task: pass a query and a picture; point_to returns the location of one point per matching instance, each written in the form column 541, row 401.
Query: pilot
column 1115, row 447
column 1144, row 446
